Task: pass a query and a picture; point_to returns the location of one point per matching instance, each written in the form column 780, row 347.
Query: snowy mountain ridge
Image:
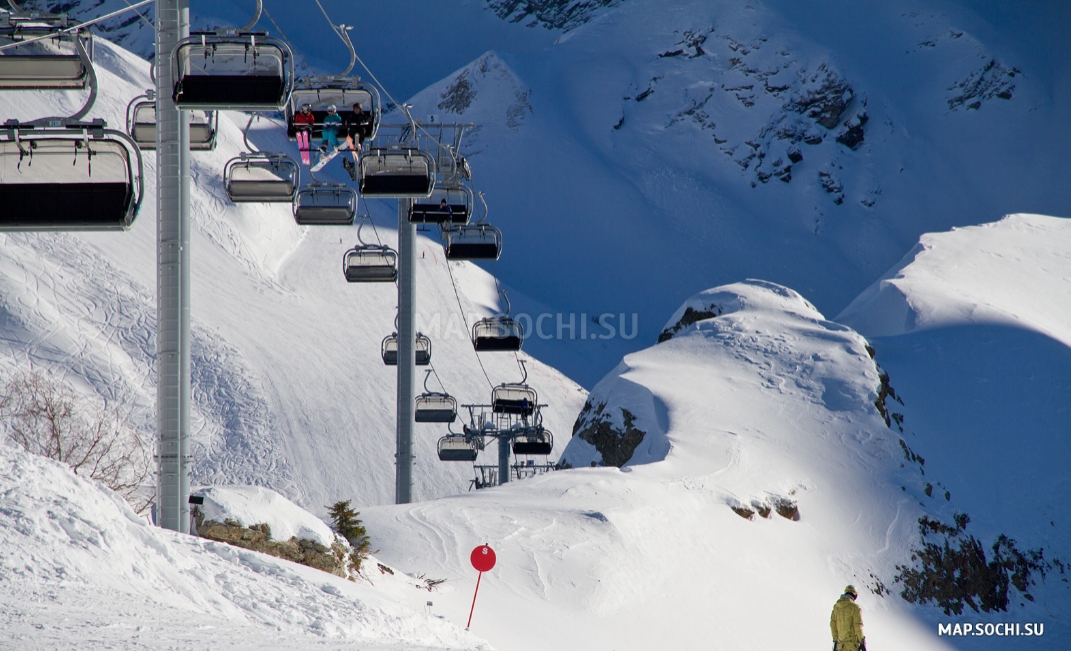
column 762, row 409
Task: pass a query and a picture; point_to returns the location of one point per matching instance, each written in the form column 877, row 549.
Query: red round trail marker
column 483, row 558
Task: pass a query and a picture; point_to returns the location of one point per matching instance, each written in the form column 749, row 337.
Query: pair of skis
column 325, row 158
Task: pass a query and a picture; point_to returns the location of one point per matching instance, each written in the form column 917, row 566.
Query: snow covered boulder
column 257, row 518
column 624, row 423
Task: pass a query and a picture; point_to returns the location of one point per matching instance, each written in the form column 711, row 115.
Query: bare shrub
column 47, row 418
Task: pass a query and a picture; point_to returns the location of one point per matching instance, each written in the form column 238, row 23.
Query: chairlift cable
column 464, row 318
column 77, row 27
column 288, row 42
column 142, row 16
column 453, row 154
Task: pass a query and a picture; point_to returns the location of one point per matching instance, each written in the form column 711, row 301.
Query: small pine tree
column 350, row 527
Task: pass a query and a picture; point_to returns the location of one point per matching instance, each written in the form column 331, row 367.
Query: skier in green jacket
column 846, row 623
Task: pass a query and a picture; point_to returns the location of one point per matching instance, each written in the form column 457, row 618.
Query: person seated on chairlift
column 303, row 123
column 444, row 207
column 358, row 129
column 332, row 124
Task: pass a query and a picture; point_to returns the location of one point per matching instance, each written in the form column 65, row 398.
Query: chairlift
column 322, row 92
column 533, row 440
column 61, row 60
column 232, row 69
column 456, row 447
column 59, row 174
column 444, row 206
column 431, row 407
column 497, row 333
column 325, row 204
column 422, row 350
column 472, row 242
column 434, row 407
column 516, row 399
column 141, row 124
column 261, row 178
column 396, row 173
column 476, row 241
column 370, row 263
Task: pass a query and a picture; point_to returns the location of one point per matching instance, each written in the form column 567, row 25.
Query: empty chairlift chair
column 61, row 62
column 68, row 176
column 396, row 174
column 433, row 407
column 421, row 355
column 472, row 242
column 261, row 178
column 141, row 125
column 455, row 447
column 370, row 264
column 445, row 206
column 325, row 204
column 533, row 440
column 497, row 333
column 245, row 71
column 514, row 400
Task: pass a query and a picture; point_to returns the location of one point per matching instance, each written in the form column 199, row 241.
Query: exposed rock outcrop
column 551, row 14
column 257, row 537
column 615, row 444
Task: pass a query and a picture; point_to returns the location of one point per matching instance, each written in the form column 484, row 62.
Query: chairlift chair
column 60, row 62
column 325, row 204
column 431, row 407
column 321, row 92
column 458, row 209
column 262, row 178
column 63, row 175
column 514, row 399
column 370, row 263
column 455, row 447
column 497, row 333
column 472, row 242
column 141, row 125
column 395, row 174
column 422, row 350
column 245, row 71
column 533, row 440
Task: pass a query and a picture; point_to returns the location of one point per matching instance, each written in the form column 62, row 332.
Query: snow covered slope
column 289, row 389
column 82, row 571
column 688, row 143
column 767, row 407
column 974, row 329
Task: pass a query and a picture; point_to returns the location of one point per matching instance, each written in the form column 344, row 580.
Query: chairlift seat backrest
column 370, row 264
column 514, row 399
column 143, row 127
column 458, row 208
column 325, row 205
column 536, row 440
column 455, row 447
column 49, row 64
column 421, row 353
column 435, row 408
column 261, row 178
column 472, row 242
column 49, row 183
column 396, row 174
column 499, row 333
column 232, row 71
